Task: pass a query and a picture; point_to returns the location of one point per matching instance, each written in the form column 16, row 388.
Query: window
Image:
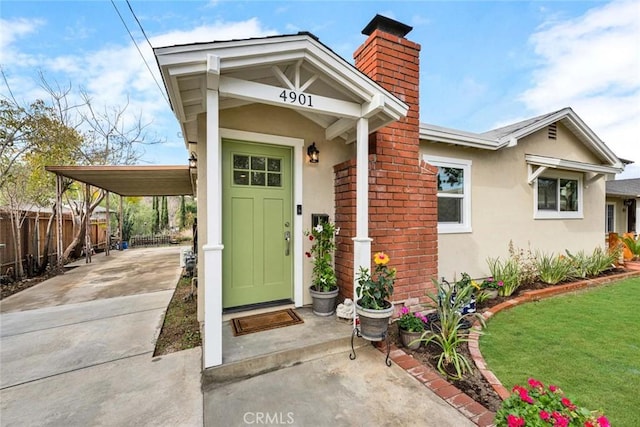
column 610, row 224
column 558, row 196
column 256, row 171
column 454, row 194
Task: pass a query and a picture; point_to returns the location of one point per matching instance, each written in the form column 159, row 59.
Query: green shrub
column 449, row 334
column 553, row 269
column 507, row 272
column 602, row 260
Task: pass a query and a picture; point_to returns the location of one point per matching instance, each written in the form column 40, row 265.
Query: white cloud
column 113, row 75
column 592, row 63
column 10, row 32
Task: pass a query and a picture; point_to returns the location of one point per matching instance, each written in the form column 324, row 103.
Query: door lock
column 287, row 239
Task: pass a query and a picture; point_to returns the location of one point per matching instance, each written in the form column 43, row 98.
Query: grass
column 586, row 343
column 180, row 330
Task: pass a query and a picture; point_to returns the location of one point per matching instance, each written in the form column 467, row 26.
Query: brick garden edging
column 474, row 336
column 451, row 394
column 455, row 397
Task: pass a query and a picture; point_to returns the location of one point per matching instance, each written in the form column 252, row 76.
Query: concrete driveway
column 77, row 349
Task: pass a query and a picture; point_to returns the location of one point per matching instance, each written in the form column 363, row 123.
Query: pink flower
column 524, row 395
column 603, row 421
column 500, row 283
column 553, row 388
column 544, row 415
column 513, row 421
column 567, row 403
column 404, row 310
column 533, row 383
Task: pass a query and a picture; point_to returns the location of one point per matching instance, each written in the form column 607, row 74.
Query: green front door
column 257, row 260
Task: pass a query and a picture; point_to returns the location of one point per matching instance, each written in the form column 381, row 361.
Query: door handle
column 287, row 239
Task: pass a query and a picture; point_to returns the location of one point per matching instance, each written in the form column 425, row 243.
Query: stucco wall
column 317, row 179
column 502, row 205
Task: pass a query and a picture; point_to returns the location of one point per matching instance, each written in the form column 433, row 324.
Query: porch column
column 362, row 241
column 59, row 224
column 212, row 249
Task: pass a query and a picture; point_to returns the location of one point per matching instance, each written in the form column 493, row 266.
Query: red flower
column 567, row 403
column 524, row 395
column 589, row 424
column 308, row 254
column 513, row 421
column 603, row 421
column 310, row 237
column 553, row 388
column 533, row 383
column 544, row 415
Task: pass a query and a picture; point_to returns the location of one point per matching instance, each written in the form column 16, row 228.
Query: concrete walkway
column 331, row 391
column 76, row 350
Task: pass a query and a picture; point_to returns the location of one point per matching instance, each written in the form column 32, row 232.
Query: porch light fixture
column 193, row 161
column 313, row 153
column 628, row 202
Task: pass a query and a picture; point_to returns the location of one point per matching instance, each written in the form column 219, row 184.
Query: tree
column 183, row 213
column 110, row 136
column 155, row 218
column 164, row 216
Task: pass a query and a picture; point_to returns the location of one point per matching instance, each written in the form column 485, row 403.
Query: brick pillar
column 402, row 189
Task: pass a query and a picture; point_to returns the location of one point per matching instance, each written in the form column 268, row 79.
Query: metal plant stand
column 385, row 337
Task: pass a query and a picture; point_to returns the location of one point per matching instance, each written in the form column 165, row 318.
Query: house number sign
column 293, row 97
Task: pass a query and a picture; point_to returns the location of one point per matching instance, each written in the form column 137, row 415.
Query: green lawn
column 587, row 343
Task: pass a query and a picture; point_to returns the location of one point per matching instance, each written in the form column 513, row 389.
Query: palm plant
column 450, row 333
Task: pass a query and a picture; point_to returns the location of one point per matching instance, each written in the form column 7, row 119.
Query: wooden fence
column 34, row 230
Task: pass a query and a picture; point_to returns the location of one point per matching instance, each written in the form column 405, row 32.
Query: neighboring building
column 623, row 206
column 439, row 201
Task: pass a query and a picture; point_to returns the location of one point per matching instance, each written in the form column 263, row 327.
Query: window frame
column 613, row 217
column 558, row 214
column 465, row 165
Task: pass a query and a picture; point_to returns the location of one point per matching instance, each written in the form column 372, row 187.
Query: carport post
column 106, row 249
column 87, row 225
column 59, row 240
column 120, row 224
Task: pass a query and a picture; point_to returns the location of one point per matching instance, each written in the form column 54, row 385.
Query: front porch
column 253, row 354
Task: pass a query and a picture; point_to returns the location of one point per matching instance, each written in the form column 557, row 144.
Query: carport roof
column 132, row 180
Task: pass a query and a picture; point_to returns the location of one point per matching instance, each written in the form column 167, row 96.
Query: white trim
column 465, row 165
column 212, row 248
column 297, row 144
column 556, row 163
column 435, row 133
column 606, row 217
column 557, row 214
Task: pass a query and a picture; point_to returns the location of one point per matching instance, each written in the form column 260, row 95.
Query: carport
column 125, row 181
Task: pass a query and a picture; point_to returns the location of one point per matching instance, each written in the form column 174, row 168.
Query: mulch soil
column 473, row 384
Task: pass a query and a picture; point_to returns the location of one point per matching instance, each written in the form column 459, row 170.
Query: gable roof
column 510, row 135
column 257, row 70
column 624, row 187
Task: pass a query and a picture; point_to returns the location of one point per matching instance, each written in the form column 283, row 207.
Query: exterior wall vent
column 552, row 131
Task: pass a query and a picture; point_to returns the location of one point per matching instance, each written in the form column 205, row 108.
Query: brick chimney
column 402, row 188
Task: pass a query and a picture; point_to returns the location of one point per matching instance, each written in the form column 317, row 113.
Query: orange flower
column 381, row 258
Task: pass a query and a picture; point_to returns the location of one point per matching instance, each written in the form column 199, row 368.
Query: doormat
column 265, row 321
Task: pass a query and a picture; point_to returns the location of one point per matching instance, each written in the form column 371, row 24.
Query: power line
column 139, row 24
column 139, row 51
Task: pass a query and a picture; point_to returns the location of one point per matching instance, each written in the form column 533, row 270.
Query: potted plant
column 372, row 306
column 411, row 327
column 490, row 287
column 324, row 289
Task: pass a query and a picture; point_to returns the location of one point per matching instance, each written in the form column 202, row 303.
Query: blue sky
column 483, row 64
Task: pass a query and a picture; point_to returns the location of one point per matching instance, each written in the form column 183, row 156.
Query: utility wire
column 139, row 24
column 139, row 51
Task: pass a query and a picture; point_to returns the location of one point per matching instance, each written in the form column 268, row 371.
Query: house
column 256, row 112
column 623, row 206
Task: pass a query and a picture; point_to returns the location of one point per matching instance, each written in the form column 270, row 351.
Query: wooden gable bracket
column 533, row 174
